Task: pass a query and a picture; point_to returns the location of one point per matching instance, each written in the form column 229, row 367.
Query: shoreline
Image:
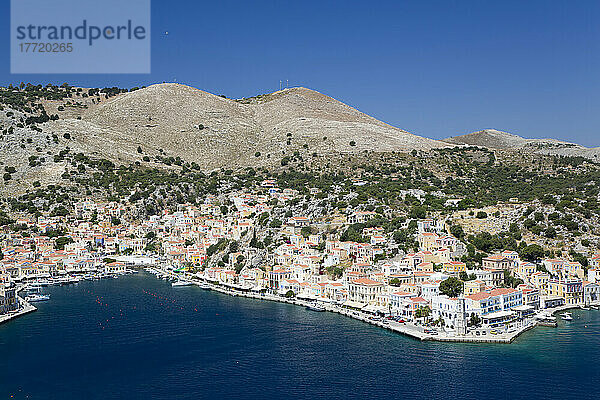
column 25, row 309
column 406, row 329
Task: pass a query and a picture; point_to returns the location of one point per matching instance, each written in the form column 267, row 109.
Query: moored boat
column 567, row 316
column 180, row 283
column 37, row 297
column 315, row 307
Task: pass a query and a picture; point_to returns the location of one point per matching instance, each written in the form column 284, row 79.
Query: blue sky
column 434, row 68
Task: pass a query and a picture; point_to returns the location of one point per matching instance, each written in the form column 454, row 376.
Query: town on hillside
column 422, row 278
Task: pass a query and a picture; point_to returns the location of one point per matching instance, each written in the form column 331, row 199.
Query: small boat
column 584, row 308
column 37, row 297
column 315, row 307
column 567, row 316
column 63, row 280
column 595, row 307
column 204, row 285
column 181, row 283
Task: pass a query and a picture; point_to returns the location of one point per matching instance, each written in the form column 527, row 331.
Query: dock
column 25, row 309
column 407, row 329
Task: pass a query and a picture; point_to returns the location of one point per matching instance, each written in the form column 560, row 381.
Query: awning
column 498, row 315
column 370, row 308
column 306, row 296
column 354, row 304
column 524, row 307
column 325, row 300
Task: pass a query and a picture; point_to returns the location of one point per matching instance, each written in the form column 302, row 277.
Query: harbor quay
column 411, row 329
column 351, row 264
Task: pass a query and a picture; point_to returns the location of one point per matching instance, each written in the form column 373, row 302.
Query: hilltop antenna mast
column 287, row 83
column 280, row 84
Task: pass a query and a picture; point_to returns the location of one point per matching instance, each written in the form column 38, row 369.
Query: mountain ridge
column 216, row 132
column 499, row 140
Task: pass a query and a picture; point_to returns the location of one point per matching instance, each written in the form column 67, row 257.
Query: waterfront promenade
column 408, row 329
column 25, row 308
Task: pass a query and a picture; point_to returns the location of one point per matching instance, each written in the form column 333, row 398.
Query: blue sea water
column 136, row 337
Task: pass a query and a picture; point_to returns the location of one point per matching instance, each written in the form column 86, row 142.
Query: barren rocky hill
column 495, row 139
column 155, row 125
column 217, row 132
column 329, row 125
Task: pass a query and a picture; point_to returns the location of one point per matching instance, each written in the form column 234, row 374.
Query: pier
column 25, row 308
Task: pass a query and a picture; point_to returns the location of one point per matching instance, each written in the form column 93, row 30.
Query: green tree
column 457, row 231
column 451, row 287
column 531, row 252
column 61, row 242
column 422, row 312
column 474, row 320
column 306, row 231
column 418, row 212
column 550, row 232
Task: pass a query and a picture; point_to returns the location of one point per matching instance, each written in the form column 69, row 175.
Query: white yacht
column 315, row 307
column 567, row 316
column 181, row 283
column 37, row 297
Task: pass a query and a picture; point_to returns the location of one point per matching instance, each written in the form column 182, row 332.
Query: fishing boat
column 315, row 307
column 62, row 280
column 567, row 316
column 180, row 283
column 33, row 286
column 546, row 320
column 32, row 298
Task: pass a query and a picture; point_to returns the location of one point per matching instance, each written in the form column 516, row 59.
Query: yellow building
column 569, row 289
column 427, row 241
column 574, row 268
column 540, row 281
column 473, row 287
column 525, row 270
column 454, row 267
